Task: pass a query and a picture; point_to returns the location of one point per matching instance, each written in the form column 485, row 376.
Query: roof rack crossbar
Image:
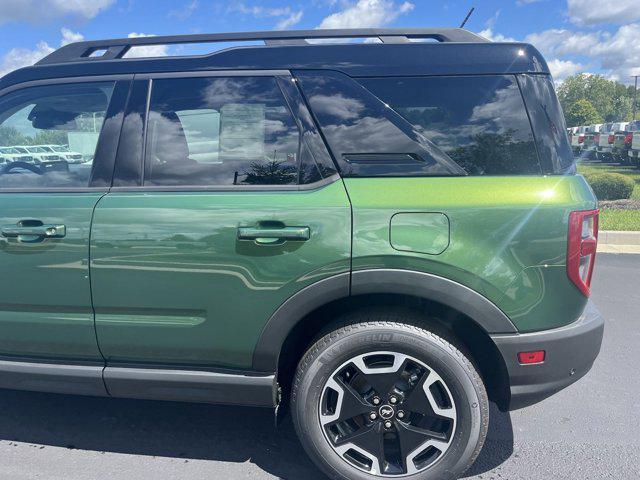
column 113, row 49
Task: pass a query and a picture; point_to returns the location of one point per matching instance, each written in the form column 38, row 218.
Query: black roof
column 453, row 52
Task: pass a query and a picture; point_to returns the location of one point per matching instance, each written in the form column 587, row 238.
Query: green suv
column 381, row 235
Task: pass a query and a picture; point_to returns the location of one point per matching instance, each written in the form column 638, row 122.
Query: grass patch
column 616, row 219
column 620, row 220
column 633, row 173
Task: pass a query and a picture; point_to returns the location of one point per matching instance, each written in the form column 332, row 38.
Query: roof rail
column 117, row 48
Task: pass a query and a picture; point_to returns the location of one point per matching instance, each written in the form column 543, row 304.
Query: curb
column 618, row 242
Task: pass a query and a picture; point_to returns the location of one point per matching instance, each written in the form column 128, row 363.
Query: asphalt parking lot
column 589, row 431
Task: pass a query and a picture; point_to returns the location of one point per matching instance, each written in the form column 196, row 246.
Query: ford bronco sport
column 384, row 236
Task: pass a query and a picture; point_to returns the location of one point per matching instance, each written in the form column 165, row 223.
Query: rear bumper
column 570, row 353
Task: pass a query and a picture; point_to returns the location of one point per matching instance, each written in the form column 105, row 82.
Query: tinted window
column 220, row 131
column 366, row 137
column 480, row 122
column 548, row 123
column 51, row 134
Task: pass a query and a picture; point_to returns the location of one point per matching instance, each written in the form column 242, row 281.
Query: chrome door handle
column 44, row 231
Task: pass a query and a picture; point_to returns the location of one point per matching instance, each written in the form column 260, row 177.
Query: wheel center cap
column 386, row 412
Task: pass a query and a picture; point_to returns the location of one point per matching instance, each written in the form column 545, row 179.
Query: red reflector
column 529, row 358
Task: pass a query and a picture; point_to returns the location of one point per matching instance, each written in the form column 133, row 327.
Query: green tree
column 582, row 112
column 10, row 136
column 50, row 137
column 611, row 100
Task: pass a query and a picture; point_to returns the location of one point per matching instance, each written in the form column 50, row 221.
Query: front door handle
column 43, row 231
column 266, row 235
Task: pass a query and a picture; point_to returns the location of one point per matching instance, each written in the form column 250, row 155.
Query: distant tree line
column 10, row 136
column 588, row 99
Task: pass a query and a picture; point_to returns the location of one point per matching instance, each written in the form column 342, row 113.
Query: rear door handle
column 266, row 235
column 44, row 231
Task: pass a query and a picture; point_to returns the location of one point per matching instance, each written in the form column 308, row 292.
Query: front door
column 238, row 207
column 47, row 197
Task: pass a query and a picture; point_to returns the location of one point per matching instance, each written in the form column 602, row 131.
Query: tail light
column 612, row 138
column 628, row 138
column 596, row 138
column 580, row 138
column 581, row 250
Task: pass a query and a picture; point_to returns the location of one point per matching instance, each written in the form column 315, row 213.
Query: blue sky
column 574, row 35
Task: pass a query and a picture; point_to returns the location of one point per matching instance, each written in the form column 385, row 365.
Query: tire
column 351, row 359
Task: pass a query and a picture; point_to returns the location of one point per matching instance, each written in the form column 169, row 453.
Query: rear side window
column 222, row 131
column 548, row 123
column 480, row 122
column 49, row 134
column 367, row 137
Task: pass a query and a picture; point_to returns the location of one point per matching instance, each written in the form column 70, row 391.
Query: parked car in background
column 577, row 139
column 64, row 152
column 622, row 144
column 600, row 141
column 604, row 140
column 633, row 129
column 39, row 154
column 11, row 154
column 589, row 145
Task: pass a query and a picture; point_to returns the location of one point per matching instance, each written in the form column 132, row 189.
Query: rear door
column 225, row 206
column 46, row 211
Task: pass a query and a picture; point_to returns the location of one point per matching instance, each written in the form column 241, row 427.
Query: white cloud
column 146, row 50
column 288, row 16
column 367, row 13
column 185, row 12
column 617, row 54
column 69, row 36
column 489, row 34
column 594, row 12
column 560, row 42
column 293, row 19
column 36, row 11
column 561, row 69
column 22, row 57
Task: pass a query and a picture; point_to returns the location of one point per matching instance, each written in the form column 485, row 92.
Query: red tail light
column 580, row 138
column 628, row 138
column 596, row 138
column 581, row 250
column 612, row 138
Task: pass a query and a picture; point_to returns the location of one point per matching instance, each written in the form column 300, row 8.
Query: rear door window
column 50, row 134
column 223, row 131
column 480, row 122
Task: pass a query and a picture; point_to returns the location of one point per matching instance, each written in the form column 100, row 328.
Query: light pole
column 635, row 94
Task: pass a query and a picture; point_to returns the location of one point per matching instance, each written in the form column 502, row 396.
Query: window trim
column 63, row 81
column 275, row 74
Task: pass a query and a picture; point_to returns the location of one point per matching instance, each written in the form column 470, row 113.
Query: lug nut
column 376, row 400
column 387, row 424
column 373, row 415
column 393, row 400
column 401, row 414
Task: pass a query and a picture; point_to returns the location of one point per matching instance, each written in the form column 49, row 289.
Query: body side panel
column 173, row 284
column 508, row 237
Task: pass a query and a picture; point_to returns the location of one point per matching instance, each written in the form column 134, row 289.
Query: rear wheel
column 383, row 398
